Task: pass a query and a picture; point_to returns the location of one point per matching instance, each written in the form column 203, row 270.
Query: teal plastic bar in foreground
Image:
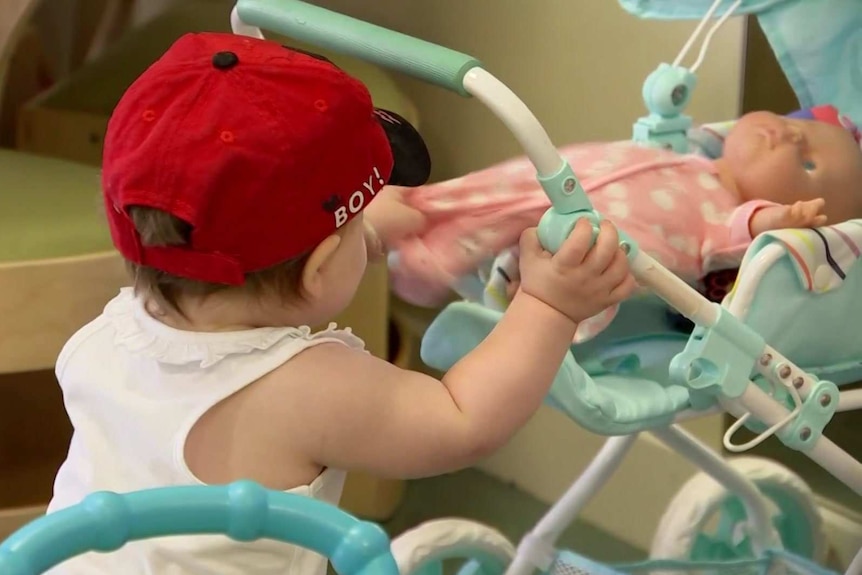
column 244, row 511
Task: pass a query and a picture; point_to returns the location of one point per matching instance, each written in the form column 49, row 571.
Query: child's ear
column 312, row 273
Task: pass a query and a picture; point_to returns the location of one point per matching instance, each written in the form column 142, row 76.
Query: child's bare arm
column 352, row 411
column 358, row 412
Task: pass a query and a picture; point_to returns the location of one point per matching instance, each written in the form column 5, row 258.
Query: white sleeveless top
column 133, row 389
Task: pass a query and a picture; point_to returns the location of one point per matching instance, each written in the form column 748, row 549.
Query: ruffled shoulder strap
column 139, row 333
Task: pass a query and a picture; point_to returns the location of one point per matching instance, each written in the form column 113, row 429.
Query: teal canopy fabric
column 818, row 43
column 694, row 9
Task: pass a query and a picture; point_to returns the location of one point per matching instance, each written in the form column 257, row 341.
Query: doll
column 695, row 215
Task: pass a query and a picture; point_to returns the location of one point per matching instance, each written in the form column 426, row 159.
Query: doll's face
column 784, row 160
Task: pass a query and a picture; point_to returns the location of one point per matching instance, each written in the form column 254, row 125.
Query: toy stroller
column 638, row 376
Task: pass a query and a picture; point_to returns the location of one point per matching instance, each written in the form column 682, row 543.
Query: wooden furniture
column 56, row 272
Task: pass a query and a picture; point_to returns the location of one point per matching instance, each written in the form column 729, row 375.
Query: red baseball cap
column 262, row 149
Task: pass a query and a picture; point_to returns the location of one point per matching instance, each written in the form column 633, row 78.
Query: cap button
column 225, row 60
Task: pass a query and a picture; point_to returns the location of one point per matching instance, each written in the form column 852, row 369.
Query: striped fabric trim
column 822, row 256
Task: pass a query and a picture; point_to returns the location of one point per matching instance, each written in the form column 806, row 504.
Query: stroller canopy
column 818, row 43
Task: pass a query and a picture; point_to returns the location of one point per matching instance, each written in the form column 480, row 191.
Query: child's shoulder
column 322, row 374
column 85, row 335
column 327, row 384
column 333, row 357
column 331, row 360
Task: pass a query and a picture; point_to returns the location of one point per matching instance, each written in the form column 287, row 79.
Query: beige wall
column 578, row 64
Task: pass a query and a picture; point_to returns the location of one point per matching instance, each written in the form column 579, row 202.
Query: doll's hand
column 578, row 281
column 805, row 214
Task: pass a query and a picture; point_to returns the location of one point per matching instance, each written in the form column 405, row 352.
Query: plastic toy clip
column 666, row 93
column 817, row 410
column 814, row 414
column 569, row 203
column 717, row 360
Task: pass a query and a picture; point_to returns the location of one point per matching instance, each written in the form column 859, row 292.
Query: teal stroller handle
column 321, row 27
column 244, row 511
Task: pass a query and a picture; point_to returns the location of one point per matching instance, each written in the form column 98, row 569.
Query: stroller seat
column 801, row 293
column 797, row 288
column 617, row 385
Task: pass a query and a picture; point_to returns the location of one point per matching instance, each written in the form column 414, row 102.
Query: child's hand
column 806, row 214
column 389, row 219
column 577, row 281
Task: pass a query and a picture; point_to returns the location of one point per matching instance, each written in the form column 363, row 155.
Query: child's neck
column 223, row 312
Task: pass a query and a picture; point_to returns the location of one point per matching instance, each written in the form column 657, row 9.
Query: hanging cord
column 730, row 446
column 797, row 400
column 712, row 10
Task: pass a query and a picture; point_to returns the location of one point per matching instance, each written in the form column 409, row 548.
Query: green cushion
column 49, row 209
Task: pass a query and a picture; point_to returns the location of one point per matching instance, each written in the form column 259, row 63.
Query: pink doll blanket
column 673, row 205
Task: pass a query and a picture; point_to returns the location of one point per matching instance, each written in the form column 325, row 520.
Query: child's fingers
column 529, row 244
column 577, row 245
column 624, row 289
column 617, row 270
column 606, row 248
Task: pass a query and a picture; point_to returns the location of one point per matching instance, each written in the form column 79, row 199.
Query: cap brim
column 412, row 162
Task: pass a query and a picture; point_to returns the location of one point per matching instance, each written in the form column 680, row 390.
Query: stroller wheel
column 423, row 549
column 706, row 522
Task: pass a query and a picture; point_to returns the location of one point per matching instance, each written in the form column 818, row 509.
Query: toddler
column 693, row 214
column 237, row 180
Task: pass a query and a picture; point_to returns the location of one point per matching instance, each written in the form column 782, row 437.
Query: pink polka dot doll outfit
column 673, row 205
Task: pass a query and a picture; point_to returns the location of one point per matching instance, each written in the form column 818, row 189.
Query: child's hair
column 158, row 228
